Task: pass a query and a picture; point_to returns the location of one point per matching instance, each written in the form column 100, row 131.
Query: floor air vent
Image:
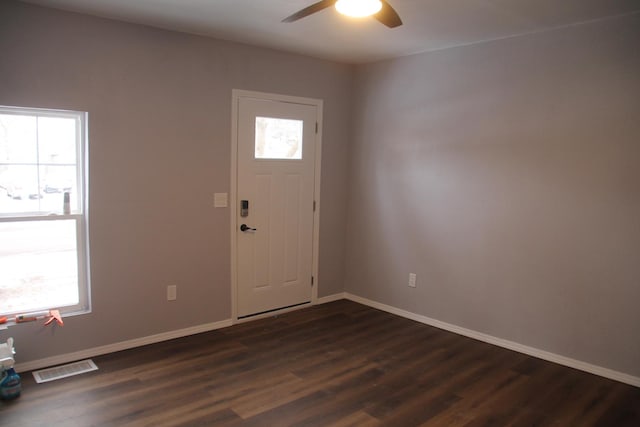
column 64, row 371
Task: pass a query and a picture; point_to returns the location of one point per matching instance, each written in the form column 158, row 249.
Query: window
column 278, row 138
column 43, row 227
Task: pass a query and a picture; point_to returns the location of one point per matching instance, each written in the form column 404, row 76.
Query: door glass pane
column 278, row 138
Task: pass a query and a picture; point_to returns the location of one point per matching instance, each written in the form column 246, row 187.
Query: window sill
column 11, row 322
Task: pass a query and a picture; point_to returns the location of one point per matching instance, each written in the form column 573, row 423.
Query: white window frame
column 79, row 215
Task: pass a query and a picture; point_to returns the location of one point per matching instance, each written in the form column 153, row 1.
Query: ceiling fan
column 379, row 9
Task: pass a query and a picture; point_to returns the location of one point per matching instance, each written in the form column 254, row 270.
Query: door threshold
column 274, row 312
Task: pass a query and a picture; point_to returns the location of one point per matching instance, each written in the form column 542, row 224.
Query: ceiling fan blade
column 388, row 16
column 316, row 7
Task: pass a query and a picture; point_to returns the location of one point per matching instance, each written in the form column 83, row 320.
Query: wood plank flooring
column 338, row 364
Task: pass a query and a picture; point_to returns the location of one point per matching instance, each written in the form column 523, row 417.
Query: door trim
column 233, row 196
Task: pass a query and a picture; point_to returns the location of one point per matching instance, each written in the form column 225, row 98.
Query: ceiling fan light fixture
column 358, row 8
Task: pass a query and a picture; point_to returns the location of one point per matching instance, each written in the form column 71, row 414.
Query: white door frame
column 233, row 199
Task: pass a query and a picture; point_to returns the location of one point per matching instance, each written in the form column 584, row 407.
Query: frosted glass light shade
column 358, row 8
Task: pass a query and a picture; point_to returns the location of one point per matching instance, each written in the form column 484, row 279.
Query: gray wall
column 159, row 108
column 507, row 176
column 504, row 174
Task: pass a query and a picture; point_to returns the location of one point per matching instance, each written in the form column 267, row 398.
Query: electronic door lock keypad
column 244, row 208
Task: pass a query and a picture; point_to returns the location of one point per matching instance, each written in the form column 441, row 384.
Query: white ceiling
column 428, row 24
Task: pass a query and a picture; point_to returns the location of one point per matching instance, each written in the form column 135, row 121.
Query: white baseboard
column 331, row 298
column 138, row 342
column 165, row 336
column 531, row 351
column 123, row 345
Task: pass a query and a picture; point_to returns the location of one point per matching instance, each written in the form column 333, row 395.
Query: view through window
column 278, row 138
column 42, row 211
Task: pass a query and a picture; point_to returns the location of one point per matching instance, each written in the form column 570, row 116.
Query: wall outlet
column 172, row 292
column 412, row 280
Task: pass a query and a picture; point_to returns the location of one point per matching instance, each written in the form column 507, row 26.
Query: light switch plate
column 220, row 200
column 172, row 293
column 412, row 280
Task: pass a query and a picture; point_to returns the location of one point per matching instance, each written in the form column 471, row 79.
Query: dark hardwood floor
column 338, row 364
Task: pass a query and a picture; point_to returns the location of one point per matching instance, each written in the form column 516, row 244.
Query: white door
column 275, row 195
